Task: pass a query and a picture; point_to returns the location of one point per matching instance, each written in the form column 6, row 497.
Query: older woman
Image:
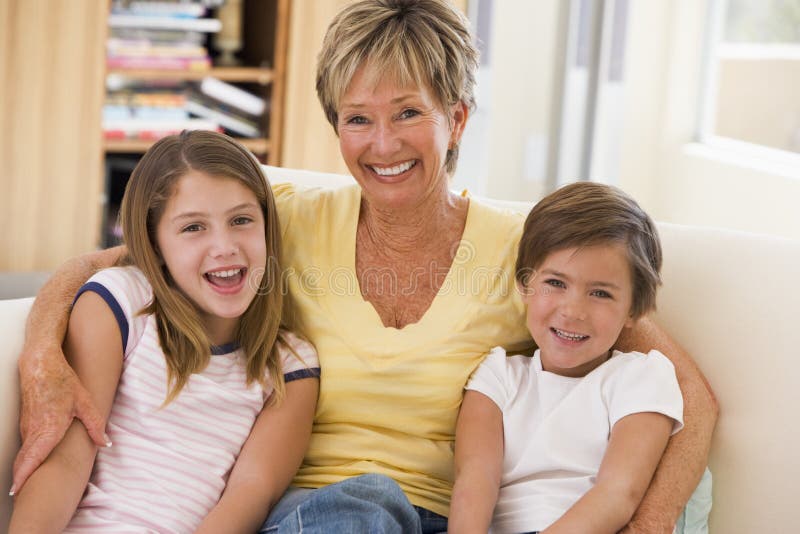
column 411, row 286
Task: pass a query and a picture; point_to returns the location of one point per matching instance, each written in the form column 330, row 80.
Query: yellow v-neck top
column 389, row 398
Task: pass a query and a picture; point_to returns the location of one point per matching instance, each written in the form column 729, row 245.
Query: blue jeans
column 364, row 504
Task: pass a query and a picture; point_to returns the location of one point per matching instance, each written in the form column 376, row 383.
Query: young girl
column 209, row 405
column 568, row 440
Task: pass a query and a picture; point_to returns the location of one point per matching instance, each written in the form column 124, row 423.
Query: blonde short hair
column 422, row 42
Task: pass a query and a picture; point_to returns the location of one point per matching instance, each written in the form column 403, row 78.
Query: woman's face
column 394, row 140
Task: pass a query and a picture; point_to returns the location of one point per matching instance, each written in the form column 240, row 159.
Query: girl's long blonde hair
column 183, row 339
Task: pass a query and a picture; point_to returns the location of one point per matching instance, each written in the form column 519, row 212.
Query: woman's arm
column 268, row 461
column 478, row 464
column 51, row 393
column 686, row 455
column 634, row 449
column 49, row 498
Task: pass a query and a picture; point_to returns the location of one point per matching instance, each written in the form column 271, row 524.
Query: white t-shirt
column 556, row 428
column 169, row 464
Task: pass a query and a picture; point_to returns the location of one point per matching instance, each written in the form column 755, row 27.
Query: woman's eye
column 356, row 119
column 408, row 113
column 602, row 294
column 192, row 228
column 555, row 283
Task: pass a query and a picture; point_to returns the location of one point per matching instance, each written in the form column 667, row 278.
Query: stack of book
column 234, row 109
column 147, row 35
column 148, row 112
column 160, row 34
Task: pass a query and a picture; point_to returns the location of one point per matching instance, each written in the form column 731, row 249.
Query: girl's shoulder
column 296, row 353
column 127, row 292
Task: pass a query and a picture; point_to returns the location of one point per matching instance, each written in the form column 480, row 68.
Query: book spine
column 233, row 96
column 158, row 63
column 164, row 23
column 228, row 122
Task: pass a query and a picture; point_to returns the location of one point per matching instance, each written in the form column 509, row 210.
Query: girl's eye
column 192, row 228
column 555, row 282
column 408, row 113
column 602, row 294
column 238, row 221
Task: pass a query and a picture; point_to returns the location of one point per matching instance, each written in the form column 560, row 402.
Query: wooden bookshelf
column 140, row 146
column 264, row 33
column 259, row 75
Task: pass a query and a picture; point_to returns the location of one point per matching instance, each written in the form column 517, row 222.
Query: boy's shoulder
column 513, row 365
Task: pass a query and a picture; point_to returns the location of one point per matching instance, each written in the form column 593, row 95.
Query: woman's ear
column 631, row 321
column 459, row 113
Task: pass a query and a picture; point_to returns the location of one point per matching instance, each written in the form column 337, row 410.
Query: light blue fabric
column 372, row 504
column 694, row 519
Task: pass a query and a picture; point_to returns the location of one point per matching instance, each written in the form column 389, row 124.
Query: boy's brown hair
column 588, row 213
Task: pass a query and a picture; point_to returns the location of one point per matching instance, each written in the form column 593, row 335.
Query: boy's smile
column 578, row 302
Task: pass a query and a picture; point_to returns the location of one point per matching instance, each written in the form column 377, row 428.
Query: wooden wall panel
column 51, row 95
column 308, row 139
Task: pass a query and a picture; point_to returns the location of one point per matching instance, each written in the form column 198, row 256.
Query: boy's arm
column 49, row 498
column 634, row 449
column 268, row 461
column 478, row 464
column 686, row 455
column 51, row 393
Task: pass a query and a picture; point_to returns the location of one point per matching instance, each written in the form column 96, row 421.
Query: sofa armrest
column 12, row 330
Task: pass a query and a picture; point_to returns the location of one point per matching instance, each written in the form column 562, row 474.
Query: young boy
column 568, row 440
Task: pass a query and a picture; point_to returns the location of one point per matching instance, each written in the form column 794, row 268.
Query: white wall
column 676, row 180
column 504, row 150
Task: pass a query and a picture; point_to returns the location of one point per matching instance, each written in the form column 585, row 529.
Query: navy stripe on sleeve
column 302, row 373
column 106, row 295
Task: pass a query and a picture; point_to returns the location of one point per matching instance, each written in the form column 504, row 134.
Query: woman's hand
column 51, row 393
column 52, row 396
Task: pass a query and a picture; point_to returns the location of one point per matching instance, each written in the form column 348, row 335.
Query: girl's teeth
column 392, row 171
column 225, row 274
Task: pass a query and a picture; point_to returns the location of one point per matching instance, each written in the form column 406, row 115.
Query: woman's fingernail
column 107, row 439
column 12, row 491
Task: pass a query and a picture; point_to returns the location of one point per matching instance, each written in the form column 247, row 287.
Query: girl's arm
column 94, row 349
column 636, row 444
column 478, row 464
column 686, row 455
column 268, row 461
column 51, row 393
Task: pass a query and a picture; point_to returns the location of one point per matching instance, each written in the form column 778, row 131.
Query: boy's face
column 578, row 301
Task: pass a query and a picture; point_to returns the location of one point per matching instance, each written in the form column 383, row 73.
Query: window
column 752, row 88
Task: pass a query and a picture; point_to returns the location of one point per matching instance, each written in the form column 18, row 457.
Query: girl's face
column 578, row 301
column 211, row 238
column 394, row 140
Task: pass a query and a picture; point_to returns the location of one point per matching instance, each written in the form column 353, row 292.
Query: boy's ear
column 525, row 291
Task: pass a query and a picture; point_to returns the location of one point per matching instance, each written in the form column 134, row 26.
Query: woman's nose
column 385, row 140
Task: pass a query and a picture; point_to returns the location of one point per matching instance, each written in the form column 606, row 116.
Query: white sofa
column 730, row 298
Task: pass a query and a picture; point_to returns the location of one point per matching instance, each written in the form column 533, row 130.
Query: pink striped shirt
column 168, row 466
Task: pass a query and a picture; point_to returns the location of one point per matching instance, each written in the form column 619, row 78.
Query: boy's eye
column 555, row 282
